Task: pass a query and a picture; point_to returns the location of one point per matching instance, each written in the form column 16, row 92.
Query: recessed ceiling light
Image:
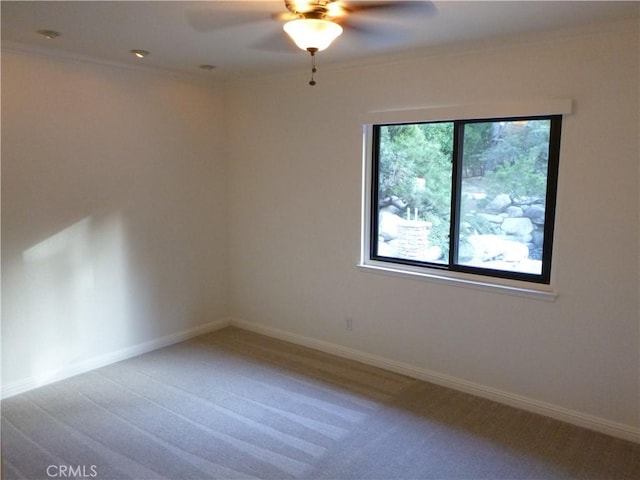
column 48, row 33
column 139, row 53
column 207, row 67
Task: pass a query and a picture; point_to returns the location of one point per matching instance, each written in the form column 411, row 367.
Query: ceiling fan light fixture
column 139, row 53
column 48, row 33
column 312, row 33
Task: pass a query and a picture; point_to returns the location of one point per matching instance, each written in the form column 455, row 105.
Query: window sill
column 456, row 279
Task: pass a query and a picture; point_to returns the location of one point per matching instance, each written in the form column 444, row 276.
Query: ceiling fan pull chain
column 313, row 51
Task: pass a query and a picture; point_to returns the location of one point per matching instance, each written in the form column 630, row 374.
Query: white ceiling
column 242, row 38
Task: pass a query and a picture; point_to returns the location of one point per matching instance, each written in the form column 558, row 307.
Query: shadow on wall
column 71, row 292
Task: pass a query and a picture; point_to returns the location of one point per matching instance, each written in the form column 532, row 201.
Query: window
column 470, row 196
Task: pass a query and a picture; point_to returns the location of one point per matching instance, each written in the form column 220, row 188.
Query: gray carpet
column 234, row 405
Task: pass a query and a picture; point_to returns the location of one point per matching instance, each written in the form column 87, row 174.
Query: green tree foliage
column 478, row 139
column 415, row 166
column 514, row 160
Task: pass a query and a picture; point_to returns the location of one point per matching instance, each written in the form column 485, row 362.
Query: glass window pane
column 414, row 191
column 503, row 192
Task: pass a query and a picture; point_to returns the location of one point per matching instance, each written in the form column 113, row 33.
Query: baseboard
column 580, row 419
column 21, row 386
column 591, row 422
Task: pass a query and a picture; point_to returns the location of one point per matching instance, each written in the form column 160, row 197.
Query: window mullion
column 456, row 179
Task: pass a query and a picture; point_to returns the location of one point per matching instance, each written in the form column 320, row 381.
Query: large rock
column 386, row 249
column 465, row 252
column 489, row 251
column 537, row 237
column 485, row 247
column 514, row 211
column 388, row 225
column 515, row 251
column 499, row 203
column 536, row 214
column 520, row 227
column 491, row 218
column 392, row 204
column 528, row 238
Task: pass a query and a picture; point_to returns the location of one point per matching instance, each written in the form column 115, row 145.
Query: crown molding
column 62, row 56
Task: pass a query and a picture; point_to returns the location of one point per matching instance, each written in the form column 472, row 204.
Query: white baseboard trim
column 573, row 417
column 21, row 386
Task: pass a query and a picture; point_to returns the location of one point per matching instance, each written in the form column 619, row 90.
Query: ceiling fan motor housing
column 309, row 9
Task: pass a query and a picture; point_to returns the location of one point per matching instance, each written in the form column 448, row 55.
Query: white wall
column 295, row 191
column 113, row 212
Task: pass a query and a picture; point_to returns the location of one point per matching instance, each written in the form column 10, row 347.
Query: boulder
column 499, row 203
column 465, row 252
column 388, row 225
column 519, row 227
column 485, row 247
column 385, row 249
column 538, row 238
column 514, row 211
column 391, row 209
column 491, row 218
column 536, row 214
column 515, row 251
column 528, row 238
column 392, row 201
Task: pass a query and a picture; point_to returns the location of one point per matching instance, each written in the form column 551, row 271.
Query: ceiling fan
column 314, row 24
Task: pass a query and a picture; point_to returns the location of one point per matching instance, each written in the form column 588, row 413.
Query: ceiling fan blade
column 413, row 7
column 365, row 28
column 361, row 25
column 367, row 35
column 277, row 42
column 217, row 15
column 210, row 20
column 285, row 16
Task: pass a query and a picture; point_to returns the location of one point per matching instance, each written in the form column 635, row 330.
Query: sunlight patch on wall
column 75, row 293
